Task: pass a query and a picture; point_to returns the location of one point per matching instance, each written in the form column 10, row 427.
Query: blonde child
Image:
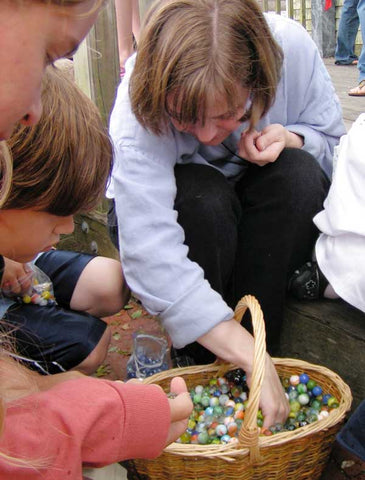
column 55, row 424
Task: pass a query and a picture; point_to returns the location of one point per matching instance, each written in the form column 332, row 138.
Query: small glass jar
column 149, row 356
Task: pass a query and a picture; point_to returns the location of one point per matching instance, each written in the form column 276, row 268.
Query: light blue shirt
column 153, row 254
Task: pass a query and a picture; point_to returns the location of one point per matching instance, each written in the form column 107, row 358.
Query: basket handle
column 249, row 433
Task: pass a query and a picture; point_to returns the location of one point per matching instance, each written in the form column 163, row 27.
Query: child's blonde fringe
column 27, row 463
column 6, row 170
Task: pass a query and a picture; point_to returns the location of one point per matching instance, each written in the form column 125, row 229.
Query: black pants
column 55, row 338
column 250, row 237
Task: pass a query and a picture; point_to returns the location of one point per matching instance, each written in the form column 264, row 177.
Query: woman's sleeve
column 306, row 101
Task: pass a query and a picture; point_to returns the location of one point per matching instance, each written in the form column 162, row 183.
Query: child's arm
column 94, row 422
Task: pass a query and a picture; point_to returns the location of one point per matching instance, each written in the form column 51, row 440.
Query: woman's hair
column 199, row 50
column 61, row 165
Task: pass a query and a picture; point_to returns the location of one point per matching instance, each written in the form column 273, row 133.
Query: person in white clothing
column 338, row 270
column 223, row 130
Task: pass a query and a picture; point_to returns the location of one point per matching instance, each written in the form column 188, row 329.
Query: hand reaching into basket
column 180, row 407
column 234, row 344
column 273, row 402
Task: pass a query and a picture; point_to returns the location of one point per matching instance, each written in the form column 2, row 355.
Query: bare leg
column 136, row 22
column 128, row 24
column 97, row 356
column 101, row 289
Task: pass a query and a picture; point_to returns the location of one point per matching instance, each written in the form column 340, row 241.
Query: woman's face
column 32, row 35
column 25, row 233
column 219, row 123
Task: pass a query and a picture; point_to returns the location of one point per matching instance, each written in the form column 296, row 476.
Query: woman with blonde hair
column 28, row 44
column 55, row 424
column 223, row 128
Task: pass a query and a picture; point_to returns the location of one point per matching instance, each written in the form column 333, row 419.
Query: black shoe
column 308, row 282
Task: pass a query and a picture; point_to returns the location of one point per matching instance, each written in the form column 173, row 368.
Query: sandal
column 308, row 282
column 358, row 91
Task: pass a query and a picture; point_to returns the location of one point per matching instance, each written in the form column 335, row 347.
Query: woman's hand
column 265, row 147
column 16, row 277
column 234, row 344
column 181, row 406
column 273, row 402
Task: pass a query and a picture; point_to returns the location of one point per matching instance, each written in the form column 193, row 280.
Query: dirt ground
column 132, row 319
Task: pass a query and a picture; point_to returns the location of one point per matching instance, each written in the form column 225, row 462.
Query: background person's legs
column 361, row 64
column 128, row 27
column 347, row 31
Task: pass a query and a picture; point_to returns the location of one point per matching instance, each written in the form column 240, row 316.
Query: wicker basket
column 295, row 455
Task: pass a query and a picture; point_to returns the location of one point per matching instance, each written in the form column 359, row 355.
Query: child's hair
column 203, row 49
column 61, row 165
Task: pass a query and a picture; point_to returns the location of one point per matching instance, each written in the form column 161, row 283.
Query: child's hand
column 181, row 407
column 16, row 278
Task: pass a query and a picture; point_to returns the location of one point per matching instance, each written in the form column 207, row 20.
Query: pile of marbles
column 219, row 408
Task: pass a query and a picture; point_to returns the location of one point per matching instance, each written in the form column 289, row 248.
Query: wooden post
column 96, row 67
column 97, row 62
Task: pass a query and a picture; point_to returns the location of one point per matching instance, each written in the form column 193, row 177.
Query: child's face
column 33, row 34
column 25, row 233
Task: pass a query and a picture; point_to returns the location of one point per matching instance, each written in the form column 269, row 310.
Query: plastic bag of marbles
column 40, row 291
column 149, row 356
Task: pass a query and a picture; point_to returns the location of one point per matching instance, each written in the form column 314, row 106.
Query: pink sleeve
column 87, row 420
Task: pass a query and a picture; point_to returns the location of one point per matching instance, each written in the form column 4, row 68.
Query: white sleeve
column 340, row 249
